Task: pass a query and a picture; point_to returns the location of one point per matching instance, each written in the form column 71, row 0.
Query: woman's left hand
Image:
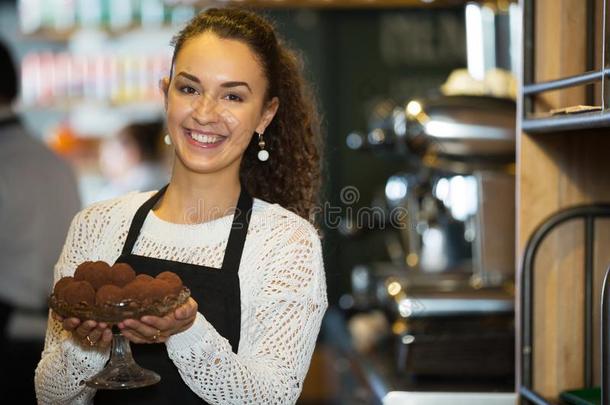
column 153, row 329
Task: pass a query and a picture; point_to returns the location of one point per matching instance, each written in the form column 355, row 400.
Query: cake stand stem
column 121, row 371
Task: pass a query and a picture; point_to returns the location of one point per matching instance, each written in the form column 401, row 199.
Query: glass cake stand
column 121, row 371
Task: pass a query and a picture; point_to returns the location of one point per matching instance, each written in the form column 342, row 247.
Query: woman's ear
column 164, row 87
column 268, row 114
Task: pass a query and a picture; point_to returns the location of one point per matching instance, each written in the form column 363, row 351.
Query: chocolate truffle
column 157, row 289
column 81, row 270
column 79, row 291
column 122, row 274
column 144, row 277
column 136, row 290
column 174, row 281
column 61, row 285
column 96, row 273
column 109, row 294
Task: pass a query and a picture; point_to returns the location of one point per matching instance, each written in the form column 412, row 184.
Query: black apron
column 216, row 292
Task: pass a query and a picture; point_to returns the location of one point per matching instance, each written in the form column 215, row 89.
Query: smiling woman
column 235, row 223
column 243, row 83
column 216, row 99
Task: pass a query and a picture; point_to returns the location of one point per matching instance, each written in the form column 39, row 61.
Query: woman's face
column 214, row 102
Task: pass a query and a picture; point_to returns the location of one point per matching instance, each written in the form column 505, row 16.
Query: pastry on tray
column 107, row 293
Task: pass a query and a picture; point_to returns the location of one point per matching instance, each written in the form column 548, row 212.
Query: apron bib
column 216, row 292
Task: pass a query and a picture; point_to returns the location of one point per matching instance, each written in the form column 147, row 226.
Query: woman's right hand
column 88, row 333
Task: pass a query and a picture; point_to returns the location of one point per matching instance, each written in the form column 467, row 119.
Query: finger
column 132, row 332
column 95, row 335
column 147, row 335
column 56, row 316
column 158, row 337
column 165, row 323
column 177, row 327
column 170, row 324
column 142, row 329
column 107, row 336
column 179, row 312
column 133, row 337
column 106, row 339
column 70, row 323
column 89, row 340
column 188, row 310
column 85, row 328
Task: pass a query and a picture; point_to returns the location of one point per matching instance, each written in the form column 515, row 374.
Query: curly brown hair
column 292, row 175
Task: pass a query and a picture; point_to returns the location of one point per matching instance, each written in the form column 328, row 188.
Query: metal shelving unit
column 605, row 325
column 588, row 213
column 575, row 121
column 597, row 116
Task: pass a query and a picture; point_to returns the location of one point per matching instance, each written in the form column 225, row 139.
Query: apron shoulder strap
column 138, row 221
column 239, row 230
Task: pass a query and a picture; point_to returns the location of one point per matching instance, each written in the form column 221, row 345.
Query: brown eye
column 234, row 97
column 187, row 90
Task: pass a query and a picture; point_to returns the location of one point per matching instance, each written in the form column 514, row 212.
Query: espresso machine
column 440, row 308
column 447, row 286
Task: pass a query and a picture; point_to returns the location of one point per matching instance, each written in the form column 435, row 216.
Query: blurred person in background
column 133, row 160
column 38, row 198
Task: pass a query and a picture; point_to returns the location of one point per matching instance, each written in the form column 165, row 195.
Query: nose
column 205, row 109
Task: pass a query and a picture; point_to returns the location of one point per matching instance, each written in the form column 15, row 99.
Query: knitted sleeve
column 65, row 364
column 275, row 352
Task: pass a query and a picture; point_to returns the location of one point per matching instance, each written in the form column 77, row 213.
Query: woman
column 255, row 271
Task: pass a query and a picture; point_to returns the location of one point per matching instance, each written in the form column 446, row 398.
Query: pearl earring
column 263, row 155
column 167, row 139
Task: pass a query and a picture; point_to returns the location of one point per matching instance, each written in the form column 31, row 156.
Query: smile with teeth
column 205, row 138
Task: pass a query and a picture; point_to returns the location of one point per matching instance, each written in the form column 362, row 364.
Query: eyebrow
column 225, row 84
